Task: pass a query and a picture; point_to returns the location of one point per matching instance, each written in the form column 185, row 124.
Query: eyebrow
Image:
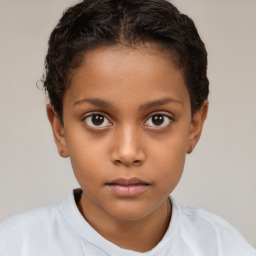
column 158, row 103
column 94, row 101
column 102, row 103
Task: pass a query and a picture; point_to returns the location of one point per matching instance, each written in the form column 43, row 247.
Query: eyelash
column 165, row 118
column 89, row 116
column 95, row 114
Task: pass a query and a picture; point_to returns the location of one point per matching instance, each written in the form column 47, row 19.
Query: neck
column 138, row 235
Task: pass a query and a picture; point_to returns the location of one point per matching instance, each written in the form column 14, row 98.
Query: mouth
column 127, row 187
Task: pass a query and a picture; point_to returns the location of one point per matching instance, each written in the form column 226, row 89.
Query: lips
column 127, row 187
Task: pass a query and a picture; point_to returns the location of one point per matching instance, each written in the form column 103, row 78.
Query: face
column 127, row 129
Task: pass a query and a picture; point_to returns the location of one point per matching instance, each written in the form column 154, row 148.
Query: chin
column 129, row 212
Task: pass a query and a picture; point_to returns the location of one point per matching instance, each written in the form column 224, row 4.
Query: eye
column 158, row 120
column 97, row 120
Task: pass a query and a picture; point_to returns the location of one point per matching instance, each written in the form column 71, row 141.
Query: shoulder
column 208, row 231
column 28, row 223
column 43, row 231
column 198, row 216
column 33, row 231
column 29, row 220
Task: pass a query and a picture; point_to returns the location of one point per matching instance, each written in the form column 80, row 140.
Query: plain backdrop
column 220, row 175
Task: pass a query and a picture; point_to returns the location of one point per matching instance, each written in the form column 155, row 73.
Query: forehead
column 116, row 73
column 124, row 58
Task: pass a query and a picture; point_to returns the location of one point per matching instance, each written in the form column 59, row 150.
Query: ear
column 58, row 131
column 197, row 126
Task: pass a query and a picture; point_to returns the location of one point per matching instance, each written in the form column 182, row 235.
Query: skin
column 128, row 144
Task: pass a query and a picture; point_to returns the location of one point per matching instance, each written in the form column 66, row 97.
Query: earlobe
column 58, row 131
column 197, row 126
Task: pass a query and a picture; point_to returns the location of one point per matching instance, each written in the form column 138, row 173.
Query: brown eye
column 97, row 120
column 158, row 120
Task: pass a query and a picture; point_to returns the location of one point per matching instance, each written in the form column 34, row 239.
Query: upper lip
column 127, row 181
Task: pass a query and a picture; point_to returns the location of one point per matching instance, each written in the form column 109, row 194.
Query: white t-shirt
column 60, row 230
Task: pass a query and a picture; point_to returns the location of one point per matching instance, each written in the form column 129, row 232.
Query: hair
column 91, row 24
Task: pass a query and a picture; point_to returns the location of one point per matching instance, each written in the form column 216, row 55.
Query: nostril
column 128, row 163
column 136, row 161
column 118, row 162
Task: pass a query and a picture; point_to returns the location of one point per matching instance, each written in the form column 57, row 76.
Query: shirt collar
column 92, row 240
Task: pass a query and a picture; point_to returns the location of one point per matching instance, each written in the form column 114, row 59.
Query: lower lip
column 128, row 190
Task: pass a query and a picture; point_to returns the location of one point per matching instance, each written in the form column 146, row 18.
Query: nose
column 127, row 148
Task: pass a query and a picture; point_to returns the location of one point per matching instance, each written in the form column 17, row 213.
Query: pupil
column 158, row 119
column 97, row 119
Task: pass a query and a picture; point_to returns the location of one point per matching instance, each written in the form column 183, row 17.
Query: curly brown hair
column 95, row 23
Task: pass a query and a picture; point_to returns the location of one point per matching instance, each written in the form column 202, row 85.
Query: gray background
column 220, row 175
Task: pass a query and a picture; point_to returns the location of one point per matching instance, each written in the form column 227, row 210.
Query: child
column 128, row 95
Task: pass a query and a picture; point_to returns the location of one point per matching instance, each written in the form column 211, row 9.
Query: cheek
column 171, row 171
column 87, row 157
column 171, row 166
column 168, row 157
